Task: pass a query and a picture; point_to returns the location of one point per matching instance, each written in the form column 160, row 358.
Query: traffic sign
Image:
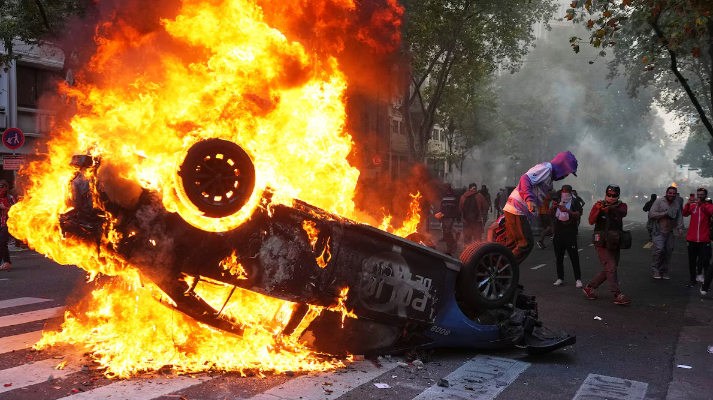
column 12, row 163
column 376, row 160
column 13, row 138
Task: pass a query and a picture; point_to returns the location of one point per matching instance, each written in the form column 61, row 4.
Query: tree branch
column 44, row 17
column 681, row 78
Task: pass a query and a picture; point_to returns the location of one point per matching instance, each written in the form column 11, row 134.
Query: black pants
column 451, row 243
column 567, row 243
column 699, row 256
column 4, row 252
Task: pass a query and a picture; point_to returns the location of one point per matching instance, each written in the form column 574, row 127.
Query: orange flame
column 342, row 306
column 412, row 219
column 250, row 84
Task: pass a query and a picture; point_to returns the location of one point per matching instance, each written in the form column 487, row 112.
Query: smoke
column 558, row 101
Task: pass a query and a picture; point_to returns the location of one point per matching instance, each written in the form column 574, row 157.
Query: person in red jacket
column 698, row 238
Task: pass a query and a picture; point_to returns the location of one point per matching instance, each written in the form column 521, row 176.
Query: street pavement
column 628, row 352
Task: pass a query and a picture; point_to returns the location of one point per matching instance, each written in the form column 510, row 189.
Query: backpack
column 471, row 211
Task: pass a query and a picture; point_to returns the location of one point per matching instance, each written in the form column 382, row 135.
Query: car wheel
column 489, row 276
column 217, row 177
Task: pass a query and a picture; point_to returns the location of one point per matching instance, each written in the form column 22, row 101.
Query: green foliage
column 458, row 44
column 37, row 22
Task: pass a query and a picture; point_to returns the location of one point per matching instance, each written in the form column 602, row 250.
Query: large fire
column 247, row 83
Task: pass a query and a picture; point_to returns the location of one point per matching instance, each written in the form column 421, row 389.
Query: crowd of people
column 559, row 213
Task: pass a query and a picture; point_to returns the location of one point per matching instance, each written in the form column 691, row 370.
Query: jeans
column 699, row 256
column 519, row 236
column 447, row 224
column 609, row 260
column 663, row 250
column 562, row 244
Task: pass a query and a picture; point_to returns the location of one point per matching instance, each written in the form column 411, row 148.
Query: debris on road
column 402, row 364
column 443, row 383
column 359, row 358
column 710, row 349
column 61, row 365
column 8, row 384
column 684, row 366
column 382, row 386
column 598, row 318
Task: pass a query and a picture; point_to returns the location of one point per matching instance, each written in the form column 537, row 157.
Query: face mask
column 566, row 197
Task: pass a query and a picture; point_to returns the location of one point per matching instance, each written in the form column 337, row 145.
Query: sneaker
column 705, row 294
column 558, row 282
column 5, row 266
column 578, row 284
column 622, row 300
column 656, row 275
column 664, row 275
column 700, row 278
column 691, row 284
column 541, row 244
column 589, row 292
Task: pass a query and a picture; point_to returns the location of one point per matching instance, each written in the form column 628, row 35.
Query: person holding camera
column 607, row 216
column 666, row 213
column 566, row 213
column 698, row 238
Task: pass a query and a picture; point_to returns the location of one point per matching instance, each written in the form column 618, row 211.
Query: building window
column 395, row 126
column 32, row 83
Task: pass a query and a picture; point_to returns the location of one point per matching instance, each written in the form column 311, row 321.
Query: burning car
column 357, row 289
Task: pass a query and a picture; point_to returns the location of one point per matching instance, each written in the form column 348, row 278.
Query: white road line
column 310, row 386
column 580, row 250
column 140, row 388
column 539, row 266
column 19, row 342
column 32, row 374
column 31, row 316
column 481, row 378
column 608, row 387
column 21, row 301
column 591, row 245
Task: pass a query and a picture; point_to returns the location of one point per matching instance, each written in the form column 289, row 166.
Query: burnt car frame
column 405, row 294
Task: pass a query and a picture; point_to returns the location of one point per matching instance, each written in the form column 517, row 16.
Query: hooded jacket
column 699, row 229
column 537, row 183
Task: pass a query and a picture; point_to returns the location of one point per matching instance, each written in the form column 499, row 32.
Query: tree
column 443, row 39
column 652, row 40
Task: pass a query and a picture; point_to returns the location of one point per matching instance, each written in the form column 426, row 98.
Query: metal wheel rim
column 493, row 276
column 218, row 179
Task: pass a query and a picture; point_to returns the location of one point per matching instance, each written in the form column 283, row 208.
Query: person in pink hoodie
column 527, row 197
column 698, row 237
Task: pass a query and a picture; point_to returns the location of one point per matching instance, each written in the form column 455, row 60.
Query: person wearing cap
column 527, row 197
column 667, row 215
column 698, row 238
column 566, row 215
column 608, row 214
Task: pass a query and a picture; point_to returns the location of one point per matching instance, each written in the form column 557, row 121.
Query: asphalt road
column 631, row 353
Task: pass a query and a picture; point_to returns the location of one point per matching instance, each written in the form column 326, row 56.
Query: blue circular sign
column 13, row 138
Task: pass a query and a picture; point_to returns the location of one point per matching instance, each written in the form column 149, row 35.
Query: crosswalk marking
column 539, row 266
column 481, row 378
column 608, row 387
column 140, row 388
column 32, row 374
column 31, row 316
column 310, row 386
column 21, row 301
column 19, row 342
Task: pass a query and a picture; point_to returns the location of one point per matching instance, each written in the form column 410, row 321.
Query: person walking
column 473, row 208
column 545, row 221
column 666, row 213
column 488, row 201
column 496, row 204
column 566, row 215
column 6, row 201
column 698, row 238
column 650, row 222
column 528, row 196
column 448, row 214
column 607, row 215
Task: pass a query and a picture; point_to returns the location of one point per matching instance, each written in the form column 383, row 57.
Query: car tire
column 489, row 276
column 217, row 177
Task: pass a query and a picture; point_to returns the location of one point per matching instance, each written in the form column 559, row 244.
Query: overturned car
column 405, row 295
